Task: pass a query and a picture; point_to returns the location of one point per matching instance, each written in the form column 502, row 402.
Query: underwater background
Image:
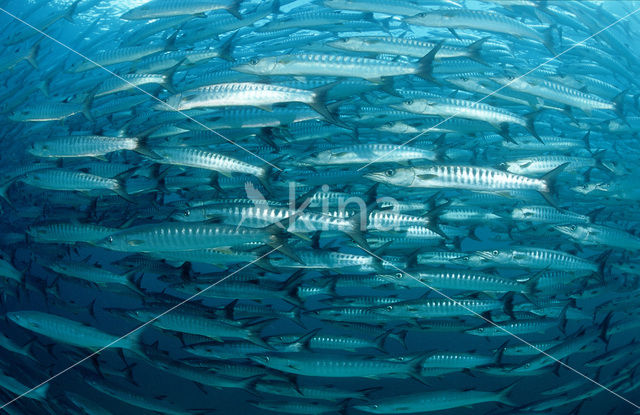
column 309, row 207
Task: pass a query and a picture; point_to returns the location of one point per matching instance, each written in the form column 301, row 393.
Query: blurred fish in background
column 319, row 207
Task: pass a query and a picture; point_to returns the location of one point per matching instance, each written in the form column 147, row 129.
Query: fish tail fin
column 134, row 342
column 279, row 236
column 507, row 305
column 587, row 140
column 531, row 286
column 530, row 118
column 304, row 341
column 381, row 340
column 170, row 42
column 503, row 395
column 290, row 288
column 225, row 50
column 33, row 54
column 598, row 157
column 87, row 104
column 264, row 177
column 357, row 230
column 143, row 148
column 254, row 335
column 425, row 64
column 474, row 49
column 319, row 104
column 602, row 264
column 4, row 188
column 119, row 189
column 68, row 15
column 604, row 327
column 234, row 9
column 167, row 79
column 550, row 179
column 548, row 38
column 618, row 104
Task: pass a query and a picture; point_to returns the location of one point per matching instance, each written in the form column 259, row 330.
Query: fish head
column 587, row 188
column 396, row 177
column 24, row 319
column 182, row 215
column 39, row 150
column 258, row 66
column 20, row 115
column 469, row 260
column 348, row 43
column 490, row 256
column 370, row 407
column 522, row 213
column 172, row 103
column 572, row 230
column 397, row 127
column 261, row 359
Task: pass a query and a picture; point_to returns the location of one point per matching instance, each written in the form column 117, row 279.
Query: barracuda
column 69, row 233
column 598, row 235
column 72, row 332
column 162, row 8
column 531, row 258
column 562, row 94
column 435, row 401
column 406, row 47
column 186, row 322
column 185, row 237
column 452, row 107
column 474, row 178
column 59, row 179
column 248, row 93
column 369, row 153
column 327, row 365
column 202, row 159
column 86, row 146
column 337, row 65
column 479, row 20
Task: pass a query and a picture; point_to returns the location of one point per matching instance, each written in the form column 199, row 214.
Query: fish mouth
column 376, row 176
column 486, row 255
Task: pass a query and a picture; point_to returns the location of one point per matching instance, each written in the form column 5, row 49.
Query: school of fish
column 319, row 207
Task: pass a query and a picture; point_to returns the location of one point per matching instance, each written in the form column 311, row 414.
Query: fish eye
column 573, row 227
column 390, row 173
column 495, row 252
column 253, row 61
column 399, row 275
column 409, row 102
column 389, row 307
column 480, row 330
column 187, row 212
column 110, row 239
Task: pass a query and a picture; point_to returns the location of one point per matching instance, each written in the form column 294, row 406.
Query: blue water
column 604, row 139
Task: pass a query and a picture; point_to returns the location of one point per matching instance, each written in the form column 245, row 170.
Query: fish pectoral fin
column 426, row 176
column 135, row 242
column 525, row 165
column 268, row 108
